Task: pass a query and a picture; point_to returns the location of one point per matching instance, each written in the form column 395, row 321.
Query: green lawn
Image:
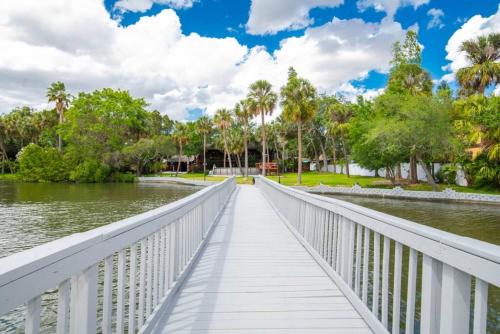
column 312, row 179
column 199, row 177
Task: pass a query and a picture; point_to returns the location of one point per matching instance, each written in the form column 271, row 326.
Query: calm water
column 480, row 221
column 33, row 214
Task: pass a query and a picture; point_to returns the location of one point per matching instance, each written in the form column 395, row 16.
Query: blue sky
column 188, row 57
column 227, row 18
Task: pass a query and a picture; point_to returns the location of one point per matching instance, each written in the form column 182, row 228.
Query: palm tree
column 180, row 136
column 341, row 114
column 263, row 101
column 236, row 145
column 204, row 127
column 244, row 114
column 57, row 93
column 298, row 99
column 223, row 121
column 483, row 54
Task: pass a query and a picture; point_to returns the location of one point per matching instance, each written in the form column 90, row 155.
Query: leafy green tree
column 205, row 127
column 299, row 102
column 263, row 101
column 140, row 154
column 223, row 120
column 341, row 114
column 483, row 54
column 57, row 93
column 41, row 164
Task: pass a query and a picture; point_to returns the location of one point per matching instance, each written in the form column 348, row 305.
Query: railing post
column 83, row 312
column 455, row 301
column 431, row 295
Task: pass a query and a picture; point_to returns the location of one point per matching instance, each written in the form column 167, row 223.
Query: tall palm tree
column 244, row 114
column 483, row 54
column 204, row 127
column 299, row 102
column 223, row 121
column 263, row 101
column 341, row 114
column 57, row 93
column 180, row 136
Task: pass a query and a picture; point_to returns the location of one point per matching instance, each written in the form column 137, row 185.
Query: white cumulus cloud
column 435, row 22
column 144, row 5
column 389, row 6
column 76, row 41
column 269, row 17
column 474, row 27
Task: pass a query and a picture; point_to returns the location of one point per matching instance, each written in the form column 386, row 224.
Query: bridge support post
column 431, row 295
column 455, row 301
column 83, row 312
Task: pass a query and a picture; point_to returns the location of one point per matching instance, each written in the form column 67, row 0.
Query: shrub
column 447, row 174
column 41, row 164
column 90, row 171
column 122, row 177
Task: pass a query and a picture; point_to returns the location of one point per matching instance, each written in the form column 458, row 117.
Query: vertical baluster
column 480, row 306
column 350, row 254
column 107, row 295
column 156, row 273
column 455, row 301
column 396, row 302
column 338, row 260
column 142, row 284
column 376, row 272
column 149, row 276
column 431, row 295
column 161, row 279
column 63, row 307
column 411, row 294
column 132, row 288
column 173, row 253
column 329, row 248
column 83, row 310
column 366, row 254
column 120, row 298
column 357, row 272
column 33, row 310
column 167, row 258
column 385, row 281
column 335, row 242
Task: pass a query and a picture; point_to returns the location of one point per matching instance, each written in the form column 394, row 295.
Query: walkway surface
column 255, row 277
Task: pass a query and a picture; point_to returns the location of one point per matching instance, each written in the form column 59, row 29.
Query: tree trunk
column 398, row 171
column 299, row 163
column 428, row 173
column 334, row 151
column 179, row 160
column 224, row 159
column 61, row 120
column 238, row 161
column 245, row 142
column 325, row 159
column 390, row 175
column 413, row 170
column 228, row 154
column 263, row 144
column 344, row 148
column 204, row 156
column 283, row 158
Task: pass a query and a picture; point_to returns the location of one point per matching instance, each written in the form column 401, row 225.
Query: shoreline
column 447, row 195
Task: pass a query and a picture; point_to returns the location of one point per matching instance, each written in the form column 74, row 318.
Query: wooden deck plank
column 255, row 277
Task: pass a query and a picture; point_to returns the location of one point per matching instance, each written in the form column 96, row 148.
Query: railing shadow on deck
column 448, row 276
column 144, row 258
column 203, row 273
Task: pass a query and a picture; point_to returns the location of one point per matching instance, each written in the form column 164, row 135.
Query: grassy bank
column 312, row 179
column 9, row 177
column 199, row 177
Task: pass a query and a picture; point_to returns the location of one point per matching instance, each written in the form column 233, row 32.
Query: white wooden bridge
column 254, row 259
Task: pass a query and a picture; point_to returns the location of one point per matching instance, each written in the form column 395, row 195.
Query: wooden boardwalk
column 255, row 277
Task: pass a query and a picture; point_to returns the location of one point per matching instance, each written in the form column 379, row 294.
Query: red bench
column 271, row 167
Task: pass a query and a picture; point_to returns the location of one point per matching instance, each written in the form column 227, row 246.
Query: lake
column 32, row 214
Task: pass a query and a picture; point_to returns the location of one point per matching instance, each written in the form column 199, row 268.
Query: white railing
column 118, row 277
column 346, row 241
